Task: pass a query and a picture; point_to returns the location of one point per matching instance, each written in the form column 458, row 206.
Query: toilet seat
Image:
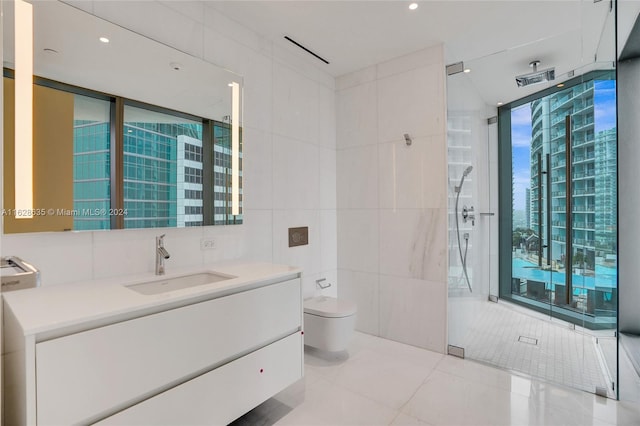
column 329, row 307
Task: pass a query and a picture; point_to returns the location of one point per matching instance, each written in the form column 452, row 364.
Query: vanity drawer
column 224, row 394
column 89, row 375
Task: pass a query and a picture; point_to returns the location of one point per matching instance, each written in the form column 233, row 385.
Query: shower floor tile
column 507, row 338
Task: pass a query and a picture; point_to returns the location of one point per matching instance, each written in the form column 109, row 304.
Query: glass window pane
column 91, row 163
column 161, row 169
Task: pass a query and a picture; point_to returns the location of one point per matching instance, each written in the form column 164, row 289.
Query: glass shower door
column 563, row 225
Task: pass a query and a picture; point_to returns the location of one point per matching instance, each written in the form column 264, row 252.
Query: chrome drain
column 528, row 340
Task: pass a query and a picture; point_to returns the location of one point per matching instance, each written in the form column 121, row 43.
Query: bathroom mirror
column 127, row 132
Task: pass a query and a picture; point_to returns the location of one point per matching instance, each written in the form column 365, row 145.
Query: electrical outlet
column 208, row 243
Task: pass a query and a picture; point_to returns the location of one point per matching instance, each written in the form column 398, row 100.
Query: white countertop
column 45, row 310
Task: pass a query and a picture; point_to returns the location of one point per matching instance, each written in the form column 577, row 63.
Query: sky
column 521, row 153
column 605, row 104
column 604, row 117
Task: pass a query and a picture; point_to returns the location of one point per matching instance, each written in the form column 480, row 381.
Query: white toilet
column 328, row 323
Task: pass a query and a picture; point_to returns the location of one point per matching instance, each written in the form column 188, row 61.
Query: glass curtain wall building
column 594, row 174
column 164, row 174
column 91, row 163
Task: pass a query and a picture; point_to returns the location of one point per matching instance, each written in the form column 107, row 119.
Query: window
column 559, row 253
column 163, row 168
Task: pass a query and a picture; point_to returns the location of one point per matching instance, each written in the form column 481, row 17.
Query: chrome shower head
column 536, row 76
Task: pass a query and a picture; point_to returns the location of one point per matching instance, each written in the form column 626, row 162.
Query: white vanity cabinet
column 203, row 363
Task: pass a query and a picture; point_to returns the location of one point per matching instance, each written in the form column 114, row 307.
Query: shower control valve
column 468, row 213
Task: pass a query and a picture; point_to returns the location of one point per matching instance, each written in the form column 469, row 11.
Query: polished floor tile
column 381, row 382
column 509, row 338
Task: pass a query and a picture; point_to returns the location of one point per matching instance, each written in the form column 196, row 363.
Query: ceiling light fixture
column 413, row 6
column 235, row 148
column 467, row 70
column 560, row 85
column 499, row 103
column 23, row 142
column 104, row 39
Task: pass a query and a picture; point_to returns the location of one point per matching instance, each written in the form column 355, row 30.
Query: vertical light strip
column 235, row 148
column 23, row 109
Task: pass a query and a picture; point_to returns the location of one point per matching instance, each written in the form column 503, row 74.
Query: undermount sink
column 165, row 285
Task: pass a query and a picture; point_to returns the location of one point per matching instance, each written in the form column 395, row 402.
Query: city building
column 593, row 174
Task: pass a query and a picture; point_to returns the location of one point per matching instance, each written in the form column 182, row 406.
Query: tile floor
column 381, row 382
column 513, row 338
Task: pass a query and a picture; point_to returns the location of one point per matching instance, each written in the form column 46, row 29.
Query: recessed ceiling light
column 467, row 70
column 499, row 103
column 413, row 6
column 560, row 85
column 176, row 66
column 104, row 39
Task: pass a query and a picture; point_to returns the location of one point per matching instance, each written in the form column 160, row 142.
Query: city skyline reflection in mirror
column 95, row 165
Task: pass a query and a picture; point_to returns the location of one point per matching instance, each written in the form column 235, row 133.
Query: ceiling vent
column 290, row 40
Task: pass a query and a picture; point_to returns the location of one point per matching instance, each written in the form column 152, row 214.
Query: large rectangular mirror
column 127, row 132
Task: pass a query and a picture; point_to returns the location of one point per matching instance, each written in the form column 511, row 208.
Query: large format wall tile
column 362, row 288
column 358, row 240
column 356, row 116
column 400, row 207
column 328, row 240
column 327, row 118
column 413, row 244
column 358, row 177
column 112, row 257
column 257, row 169
column 413, row 311
column 295, row 174
column 61, row 257
column 411, row 102
column 328, row 184
column 295, row 105
column 414, row 176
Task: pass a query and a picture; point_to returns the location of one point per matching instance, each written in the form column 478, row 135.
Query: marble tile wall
column 289, row 158
column 392, row 198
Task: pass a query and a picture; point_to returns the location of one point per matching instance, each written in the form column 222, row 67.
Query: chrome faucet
column 468, row 213
column 161, row 255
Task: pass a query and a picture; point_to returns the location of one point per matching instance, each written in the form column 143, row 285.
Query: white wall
column 628, row 11
column 392, row 198
column 629, row 201
column 289, row 159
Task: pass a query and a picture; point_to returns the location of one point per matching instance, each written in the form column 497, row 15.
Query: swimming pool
column 604, row 276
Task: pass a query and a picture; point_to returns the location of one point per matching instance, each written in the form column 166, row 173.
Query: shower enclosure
column 533, row 277
column 473, row 255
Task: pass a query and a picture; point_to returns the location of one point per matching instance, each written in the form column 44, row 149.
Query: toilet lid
column 329, row 307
